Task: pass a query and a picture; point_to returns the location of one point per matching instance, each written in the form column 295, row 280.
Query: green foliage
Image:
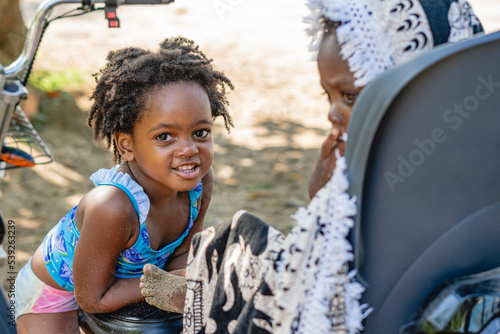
column 50, row 81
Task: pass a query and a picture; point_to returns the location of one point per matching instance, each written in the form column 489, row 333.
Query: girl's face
column 172, row 142
column 337, row 81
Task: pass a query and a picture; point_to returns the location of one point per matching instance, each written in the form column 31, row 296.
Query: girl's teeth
column 186, row 167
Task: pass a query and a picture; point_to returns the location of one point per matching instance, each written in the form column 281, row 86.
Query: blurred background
column 278, row 107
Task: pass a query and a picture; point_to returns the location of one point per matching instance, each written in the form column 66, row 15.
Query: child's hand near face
column 326, row 162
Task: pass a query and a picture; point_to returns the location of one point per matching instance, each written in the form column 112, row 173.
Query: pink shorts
column 34, row 296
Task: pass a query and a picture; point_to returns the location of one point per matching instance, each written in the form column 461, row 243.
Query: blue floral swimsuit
column 60, row 243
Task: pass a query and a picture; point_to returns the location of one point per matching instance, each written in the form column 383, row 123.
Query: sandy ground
column 280, row 115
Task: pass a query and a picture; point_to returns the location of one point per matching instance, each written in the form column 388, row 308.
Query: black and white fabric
column 376, row 35
column 246, row 277
column 226, row 267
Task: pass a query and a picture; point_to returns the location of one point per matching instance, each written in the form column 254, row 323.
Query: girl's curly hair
column 123, row 84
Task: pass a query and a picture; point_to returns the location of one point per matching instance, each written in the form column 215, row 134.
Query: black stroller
column 424, row 162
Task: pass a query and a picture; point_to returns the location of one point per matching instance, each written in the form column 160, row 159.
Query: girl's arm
column 107, row 221
column 178, row 259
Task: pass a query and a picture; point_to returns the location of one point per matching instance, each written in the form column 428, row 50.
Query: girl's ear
column 124, row 144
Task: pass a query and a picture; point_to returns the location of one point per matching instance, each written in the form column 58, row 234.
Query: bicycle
column 22, row 147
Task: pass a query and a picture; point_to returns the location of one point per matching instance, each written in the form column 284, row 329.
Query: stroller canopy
column 424, row 162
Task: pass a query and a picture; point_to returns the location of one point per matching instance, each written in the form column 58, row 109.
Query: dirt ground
column 280, row 115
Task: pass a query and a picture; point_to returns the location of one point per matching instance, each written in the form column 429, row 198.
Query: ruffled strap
column 121, row 180
column 194, row 194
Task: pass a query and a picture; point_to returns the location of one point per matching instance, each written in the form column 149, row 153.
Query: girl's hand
column 326, row 162
column 162, row 289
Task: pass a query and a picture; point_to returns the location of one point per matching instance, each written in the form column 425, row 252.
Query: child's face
column 337, row 81
column 172, row 142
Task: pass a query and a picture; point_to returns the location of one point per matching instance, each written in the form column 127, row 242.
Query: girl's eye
column 201, row 133
column 164, row 137
column 349, row 98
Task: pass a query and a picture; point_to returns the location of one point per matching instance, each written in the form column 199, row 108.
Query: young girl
column 156, row 109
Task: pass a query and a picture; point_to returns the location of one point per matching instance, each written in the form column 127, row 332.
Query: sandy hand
column 162, row 289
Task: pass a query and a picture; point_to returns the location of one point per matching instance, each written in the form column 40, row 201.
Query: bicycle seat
column 424, row 163
column 134, row 319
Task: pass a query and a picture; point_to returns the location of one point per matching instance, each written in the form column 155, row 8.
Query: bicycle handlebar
column 43, row 11
column 141, row 2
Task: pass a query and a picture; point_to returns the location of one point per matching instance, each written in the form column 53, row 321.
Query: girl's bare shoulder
column 107, row 204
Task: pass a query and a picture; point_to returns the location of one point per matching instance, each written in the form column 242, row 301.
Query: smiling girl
column 156, row 110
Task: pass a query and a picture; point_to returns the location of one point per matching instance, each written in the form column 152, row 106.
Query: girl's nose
column 335, row 117
column 187, row 148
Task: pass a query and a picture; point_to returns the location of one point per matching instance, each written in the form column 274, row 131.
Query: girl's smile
column 188, row 171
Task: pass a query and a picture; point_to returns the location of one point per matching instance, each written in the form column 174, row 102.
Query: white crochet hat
column 376, row 35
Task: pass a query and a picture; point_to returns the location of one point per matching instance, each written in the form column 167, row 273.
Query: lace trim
column 104, row 175
column 376, row 35
column 308, row 297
